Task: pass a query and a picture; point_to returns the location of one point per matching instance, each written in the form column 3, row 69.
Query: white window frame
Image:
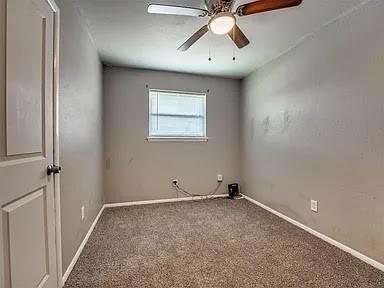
column 176, row 138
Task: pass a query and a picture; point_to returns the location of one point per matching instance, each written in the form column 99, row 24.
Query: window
column 177, row 115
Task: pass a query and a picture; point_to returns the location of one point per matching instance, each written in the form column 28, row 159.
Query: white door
column 27, row 216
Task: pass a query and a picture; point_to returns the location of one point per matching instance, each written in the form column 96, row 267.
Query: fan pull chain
column 234, row 54
column 209, row 54
column 233, row 46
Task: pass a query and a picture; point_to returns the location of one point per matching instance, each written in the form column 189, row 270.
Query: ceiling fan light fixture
column 222, row 23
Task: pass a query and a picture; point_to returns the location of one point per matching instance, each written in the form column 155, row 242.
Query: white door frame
column 56, row 151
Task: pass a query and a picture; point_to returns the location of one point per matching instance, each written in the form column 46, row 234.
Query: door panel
column 26, row 219
column 26, row 41
column 27, row 199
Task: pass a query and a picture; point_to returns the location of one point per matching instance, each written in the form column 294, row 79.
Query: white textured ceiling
column 126, row 35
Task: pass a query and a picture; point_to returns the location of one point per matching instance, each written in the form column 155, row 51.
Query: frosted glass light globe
column 222, row 23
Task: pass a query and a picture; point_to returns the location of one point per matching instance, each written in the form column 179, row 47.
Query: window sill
column 177, row 139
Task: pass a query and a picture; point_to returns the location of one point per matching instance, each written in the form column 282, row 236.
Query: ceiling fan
column 223, row 20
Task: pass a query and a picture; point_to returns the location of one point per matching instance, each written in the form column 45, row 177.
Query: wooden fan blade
column 265, row 5
column 176, row 10
column 203, row 30
column 238, row 37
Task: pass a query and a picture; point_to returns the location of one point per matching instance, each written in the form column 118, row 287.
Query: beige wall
column 312, row 128
column 81, row 142
column 141, row 170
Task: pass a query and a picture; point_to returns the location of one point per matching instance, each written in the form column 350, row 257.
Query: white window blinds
column 177, row 114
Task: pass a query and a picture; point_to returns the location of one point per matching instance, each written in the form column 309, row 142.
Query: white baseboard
column 122, row 204
column 85, row 240
column 341, row 246
column 82, row 245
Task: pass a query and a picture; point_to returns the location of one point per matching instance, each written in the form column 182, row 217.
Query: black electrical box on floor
column 233, row 190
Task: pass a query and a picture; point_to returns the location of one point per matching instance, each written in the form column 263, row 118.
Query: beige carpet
column 211, row 243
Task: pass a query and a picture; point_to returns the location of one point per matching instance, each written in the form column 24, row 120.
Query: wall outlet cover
column 314, row 206
column 220, row 178
column 82, row 212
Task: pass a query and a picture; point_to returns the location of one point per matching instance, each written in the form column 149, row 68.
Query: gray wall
column 81, row 142
column 312, row 128
column 141, row 170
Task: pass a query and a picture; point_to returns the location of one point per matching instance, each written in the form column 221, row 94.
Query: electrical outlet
column 314, row 206
column 175, row 182
column 82, row 212
column 220, row 178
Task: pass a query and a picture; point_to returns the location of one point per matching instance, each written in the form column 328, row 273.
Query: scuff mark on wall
column 266, row 125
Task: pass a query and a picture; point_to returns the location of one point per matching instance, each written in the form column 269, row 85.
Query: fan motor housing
column 216, row 6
